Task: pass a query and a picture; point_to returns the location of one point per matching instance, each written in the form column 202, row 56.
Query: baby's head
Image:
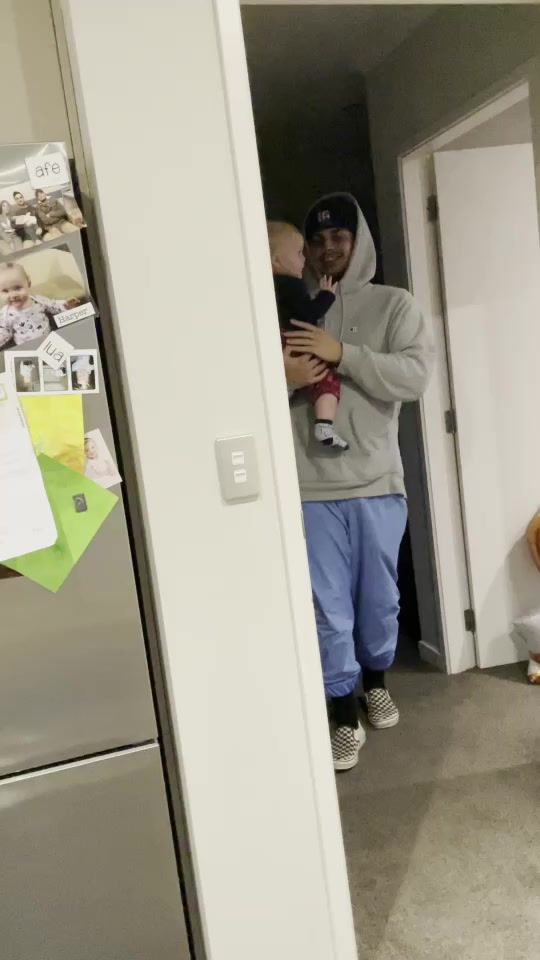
column 14, row 285
column 286, row 249
column 90, row 448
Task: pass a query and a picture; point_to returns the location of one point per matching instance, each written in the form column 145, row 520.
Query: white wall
column 201, row 360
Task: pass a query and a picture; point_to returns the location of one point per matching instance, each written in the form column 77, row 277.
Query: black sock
column 345, row 711
column 372, row 679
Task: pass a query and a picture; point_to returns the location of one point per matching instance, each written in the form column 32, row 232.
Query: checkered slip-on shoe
column 346, row 745
column 382, row 712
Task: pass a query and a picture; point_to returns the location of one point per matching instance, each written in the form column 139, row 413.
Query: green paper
column 66, row 491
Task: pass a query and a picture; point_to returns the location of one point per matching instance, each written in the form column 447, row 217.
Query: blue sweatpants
column 353, row 548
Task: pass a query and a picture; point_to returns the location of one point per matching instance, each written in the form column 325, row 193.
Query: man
column 354, row 502
column 24, row 219
column 52, row 216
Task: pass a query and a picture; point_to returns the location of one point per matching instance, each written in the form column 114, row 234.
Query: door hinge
column 450, row 421
column 470, row 620
column 432, row 208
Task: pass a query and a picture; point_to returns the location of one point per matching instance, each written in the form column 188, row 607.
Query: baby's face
column 14, row 287
column 291, row 257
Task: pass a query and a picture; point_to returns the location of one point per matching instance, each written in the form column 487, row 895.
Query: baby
column 24, row 316
column 294, row 303
column 98, row 467
column 83, row 367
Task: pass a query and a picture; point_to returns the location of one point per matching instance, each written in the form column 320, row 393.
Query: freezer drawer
column 88, row 868
column 73, row 672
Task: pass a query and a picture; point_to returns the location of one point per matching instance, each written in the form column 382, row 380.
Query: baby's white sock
column 325, row 433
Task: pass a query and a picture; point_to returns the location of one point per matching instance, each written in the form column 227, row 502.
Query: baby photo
column 99, row 464
column 31, row 375
column 83, row 368
column 27, row 371
column 55, row 381
column 40, row 292
column 37, row 201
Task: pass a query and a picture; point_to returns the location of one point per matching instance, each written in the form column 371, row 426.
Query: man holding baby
column 377, row 342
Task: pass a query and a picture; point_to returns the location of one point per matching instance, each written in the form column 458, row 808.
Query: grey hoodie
column 387, row 359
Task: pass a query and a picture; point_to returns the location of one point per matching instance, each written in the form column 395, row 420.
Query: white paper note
column 54, row 351
column 47, row 171
column 26, row 518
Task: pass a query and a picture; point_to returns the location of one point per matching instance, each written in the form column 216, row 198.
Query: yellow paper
column 56, row 427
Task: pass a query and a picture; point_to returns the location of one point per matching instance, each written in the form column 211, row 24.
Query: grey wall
column 455, row 59
column 32, row 98
column 460, row 56
column 308, row 151
column 310, row 110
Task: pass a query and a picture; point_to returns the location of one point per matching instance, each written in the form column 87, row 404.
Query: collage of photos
column 79, row 374
column 50, row 461
column 37, row 201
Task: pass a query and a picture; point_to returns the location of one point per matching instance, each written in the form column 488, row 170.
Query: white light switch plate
column 237, row 468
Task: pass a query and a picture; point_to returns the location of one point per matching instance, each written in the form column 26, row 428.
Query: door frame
column 417, row 184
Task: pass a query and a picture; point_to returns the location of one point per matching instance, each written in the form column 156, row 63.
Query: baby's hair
column 278, row 231
column 12, row 265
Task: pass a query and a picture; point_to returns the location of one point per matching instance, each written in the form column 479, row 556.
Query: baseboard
column 431, row 655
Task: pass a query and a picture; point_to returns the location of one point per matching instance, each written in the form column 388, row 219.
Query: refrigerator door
column 73, row 672
column 88, row 866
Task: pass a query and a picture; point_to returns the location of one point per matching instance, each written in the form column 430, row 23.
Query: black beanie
column 332, row 213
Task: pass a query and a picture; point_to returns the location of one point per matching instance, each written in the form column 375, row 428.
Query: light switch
column 237, row 468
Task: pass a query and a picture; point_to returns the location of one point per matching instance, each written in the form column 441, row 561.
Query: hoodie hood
column 363, row 263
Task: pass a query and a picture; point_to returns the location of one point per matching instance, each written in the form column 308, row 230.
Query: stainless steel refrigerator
column 87, row 866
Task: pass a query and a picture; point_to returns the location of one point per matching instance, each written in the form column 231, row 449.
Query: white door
column 490, row 253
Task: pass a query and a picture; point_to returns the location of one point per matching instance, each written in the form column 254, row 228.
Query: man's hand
column 533, row 539
column 302, row 371
column 328, row 283
column 316, row 341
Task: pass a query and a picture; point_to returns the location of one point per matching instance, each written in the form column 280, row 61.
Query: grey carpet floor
column 441, row 821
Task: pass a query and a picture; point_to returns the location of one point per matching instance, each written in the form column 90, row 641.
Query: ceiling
column 316, row 53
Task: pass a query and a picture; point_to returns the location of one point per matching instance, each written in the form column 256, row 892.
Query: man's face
column 19, row 199
column 331, row 251
column 41, row 196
